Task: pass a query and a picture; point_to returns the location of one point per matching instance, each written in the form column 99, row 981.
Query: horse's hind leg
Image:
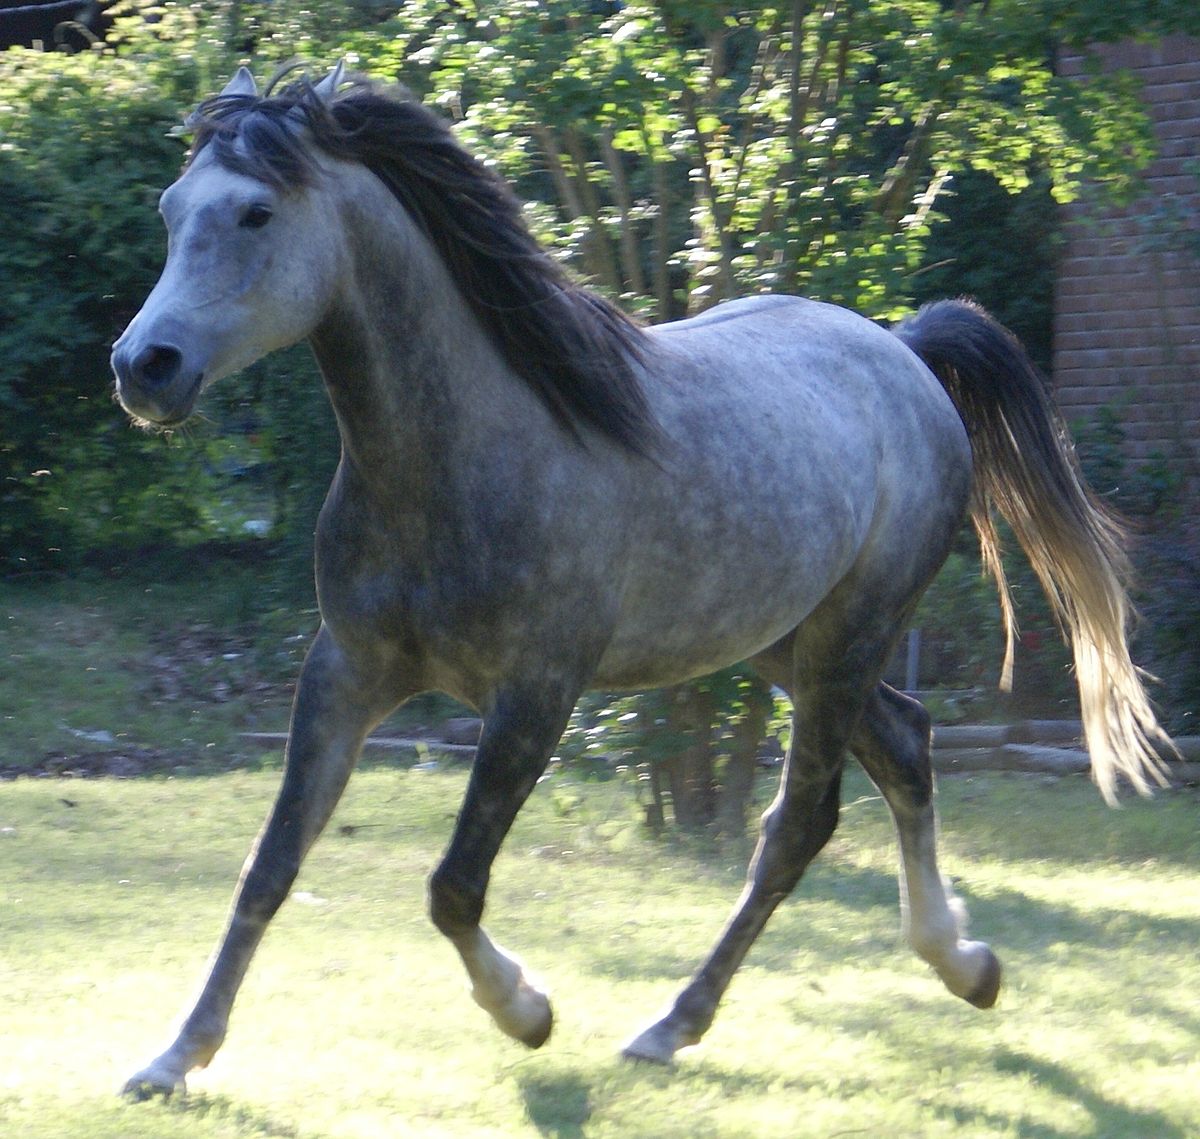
column 835, row 667
column 892, row 744
column 333, row 712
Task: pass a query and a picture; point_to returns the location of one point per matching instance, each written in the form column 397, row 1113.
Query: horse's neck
column 413, row 379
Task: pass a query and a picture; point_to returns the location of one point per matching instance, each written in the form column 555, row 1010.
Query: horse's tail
column 1025, row 467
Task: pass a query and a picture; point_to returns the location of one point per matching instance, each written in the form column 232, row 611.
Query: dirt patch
column 200, row 664
column 114, row 763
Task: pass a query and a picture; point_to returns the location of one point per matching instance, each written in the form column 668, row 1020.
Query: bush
column 80, row 175
column 691, row 751
column 1166, row 556
column 86, row 146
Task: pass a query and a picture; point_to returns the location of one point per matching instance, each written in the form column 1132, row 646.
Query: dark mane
column 577, row 351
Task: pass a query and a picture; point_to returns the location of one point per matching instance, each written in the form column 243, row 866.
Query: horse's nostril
column 157, row 365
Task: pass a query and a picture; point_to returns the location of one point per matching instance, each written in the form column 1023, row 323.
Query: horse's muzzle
column 152, row 383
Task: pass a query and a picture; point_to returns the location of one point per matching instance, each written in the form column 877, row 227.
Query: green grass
column 171, row 662
column 166, row 664
column 355, row 1022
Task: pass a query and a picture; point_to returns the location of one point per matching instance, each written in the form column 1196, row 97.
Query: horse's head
column 311, row 209
column 252, row 257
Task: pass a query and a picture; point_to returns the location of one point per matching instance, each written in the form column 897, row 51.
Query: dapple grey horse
column 536, row 496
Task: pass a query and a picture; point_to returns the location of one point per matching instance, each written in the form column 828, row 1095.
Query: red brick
column 1127, row 314
column 1172, row 76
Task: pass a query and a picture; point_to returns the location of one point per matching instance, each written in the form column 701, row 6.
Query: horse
column 537, row 496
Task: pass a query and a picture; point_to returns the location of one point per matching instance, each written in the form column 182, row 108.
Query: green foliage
column 695, row 152
column 80, row 177
column 999, row 248
column 689, row 753
column 1166, row 554
column 959, row 620
column 86, row 146
column 677, row 154
column 963, row 641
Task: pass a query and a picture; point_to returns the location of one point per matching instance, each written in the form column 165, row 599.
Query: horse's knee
column 893, row 745
column 919, row 721
column 454, row 906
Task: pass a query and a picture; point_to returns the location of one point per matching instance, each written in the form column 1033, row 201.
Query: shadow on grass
column 1066, row 825
column 1108, row 1118
column 557, row 1104
column 1029, row 924
column 1008, row 919
column 859, row 891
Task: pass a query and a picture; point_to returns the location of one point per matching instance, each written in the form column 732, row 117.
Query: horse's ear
column 328, row 86
column 241, row 84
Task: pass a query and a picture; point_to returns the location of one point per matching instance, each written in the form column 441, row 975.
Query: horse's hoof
column 987, row 988
column 525, row 1016
column 657, row 1045
column 539, row 1033
column 151, row 1082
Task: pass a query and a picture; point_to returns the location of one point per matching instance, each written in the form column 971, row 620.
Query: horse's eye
column 255, row 217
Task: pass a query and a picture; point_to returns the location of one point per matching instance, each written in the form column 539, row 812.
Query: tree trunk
column 600, row 253
column 690, row 774
column 737, row 785
column 631, row 261
column 663, row 306
column 896, row 194
column 712, row 202
column 578, row 199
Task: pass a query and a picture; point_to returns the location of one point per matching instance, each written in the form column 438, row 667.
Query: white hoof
column 973, row 972
column 989, row 973
column 502, row 989
column 524, row 1014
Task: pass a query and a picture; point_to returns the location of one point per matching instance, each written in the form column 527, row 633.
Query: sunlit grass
column 355, row 1021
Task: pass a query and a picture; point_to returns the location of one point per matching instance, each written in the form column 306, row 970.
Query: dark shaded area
column 558, row 1104
column 70, row 24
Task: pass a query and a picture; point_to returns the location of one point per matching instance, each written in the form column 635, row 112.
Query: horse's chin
column 166, row 410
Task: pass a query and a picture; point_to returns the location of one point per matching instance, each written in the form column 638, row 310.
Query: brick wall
column 1127, row 305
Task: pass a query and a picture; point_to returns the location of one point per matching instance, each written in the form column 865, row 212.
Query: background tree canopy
column 871, row 154
column 676, row 154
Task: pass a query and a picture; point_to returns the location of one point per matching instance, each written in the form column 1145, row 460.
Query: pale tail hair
column 1025, row 469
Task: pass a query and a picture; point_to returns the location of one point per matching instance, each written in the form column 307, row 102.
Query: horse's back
column 808, row 383
column 805, row 444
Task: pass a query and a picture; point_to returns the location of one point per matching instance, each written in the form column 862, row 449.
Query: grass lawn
column 355, row 1021
column 166, row 667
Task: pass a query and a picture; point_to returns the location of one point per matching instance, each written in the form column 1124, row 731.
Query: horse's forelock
column 257, row 135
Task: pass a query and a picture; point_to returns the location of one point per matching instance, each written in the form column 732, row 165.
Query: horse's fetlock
column 454, row 907
column 694, row 1011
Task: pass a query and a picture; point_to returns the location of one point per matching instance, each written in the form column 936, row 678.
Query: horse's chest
column 460, row 617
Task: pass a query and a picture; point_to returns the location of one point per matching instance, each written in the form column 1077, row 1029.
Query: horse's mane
column 576, row 350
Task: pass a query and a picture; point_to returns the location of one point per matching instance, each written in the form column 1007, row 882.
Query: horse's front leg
column 518, row 737
column 334, row 708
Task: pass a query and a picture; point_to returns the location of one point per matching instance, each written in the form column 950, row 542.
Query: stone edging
column 1035, row 745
